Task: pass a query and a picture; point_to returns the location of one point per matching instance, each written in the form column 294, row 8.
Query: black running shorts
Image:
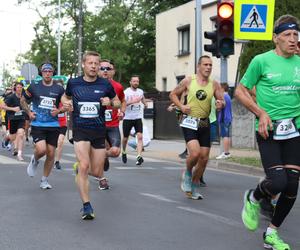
column 49, row 134
column 113, row 136
column 129, row 124
column 14, row 125
column 95, row 137
column 202, row 135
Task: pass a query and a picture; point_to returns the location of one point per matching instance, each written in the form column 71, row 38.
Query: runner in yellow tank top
column 195, row 123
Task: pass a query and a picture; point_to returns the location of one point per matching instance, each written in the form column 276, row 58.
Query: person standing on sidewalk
column 87, row 97
column 45, row 97
column 276, row 75
column 135, row 103
column 195, row 122
column 225, row 120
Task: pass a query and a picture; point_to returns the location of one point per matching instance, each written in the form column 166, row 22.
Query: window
column 183, row 40
column 164, row 84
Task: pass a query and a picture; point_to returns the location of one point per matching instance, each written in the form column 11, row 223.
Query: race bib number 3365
column 89, row 109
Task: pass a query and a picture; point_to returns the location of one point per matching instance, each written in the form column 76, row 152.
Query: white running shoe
column 32, row 166
column 223, row 156
column 45, row 185
column 20, row 158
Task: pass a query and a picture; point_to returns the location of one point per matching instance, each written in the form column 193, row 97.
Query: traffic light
column 213, row 47
column 225, row 30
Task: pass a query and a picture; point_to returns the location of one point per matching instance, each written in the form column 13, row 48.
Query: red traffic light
column 225, row 10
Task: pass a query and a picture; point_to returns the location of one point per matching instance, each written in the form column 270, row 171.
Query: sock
column 227, row 153
column 44, row 178
column 123, row 151
column 138, row 156
column 19, row 152
column 270, row 230
column 86, row 204
column 252, row 198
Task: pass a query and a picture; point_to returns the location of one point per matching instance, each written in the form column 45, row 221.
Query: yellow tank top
column 199, row 98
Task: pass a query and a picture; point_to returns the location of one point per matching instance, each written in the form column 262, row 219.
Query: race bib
column 47, row 102
column 19, row 113
column 189, row 122
column 89, row 109
column 61, row 115
column 108, row 115
column 285, row 129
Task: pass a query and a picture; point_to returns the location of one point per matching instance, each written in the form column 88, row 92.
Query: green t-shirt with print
column 277, row 82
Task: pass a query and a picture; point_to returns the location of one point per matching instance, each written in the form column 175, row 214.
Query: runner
column 112, row 118
column 195, row 122
column 16, row 120
column 87, row 97
column 275, row 75
column 135, row 101
column 45, row 97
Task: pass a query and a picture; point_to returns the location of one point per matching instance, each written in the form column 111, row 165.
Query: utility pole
column 59, row 42
column 198, row 31
column 80, row 25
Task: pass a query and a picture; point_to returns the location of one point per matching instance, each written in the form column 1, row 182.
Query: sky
column 16, row 27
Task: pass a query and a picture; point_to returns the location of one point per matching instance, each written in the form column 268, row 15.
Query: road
column 144, row 209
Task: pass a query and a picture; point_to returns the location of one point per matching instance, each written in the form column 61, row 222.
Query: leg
column 50, row 154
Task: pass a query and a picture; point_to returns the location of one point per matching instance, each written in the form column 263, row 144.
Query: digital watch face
column 201, row 95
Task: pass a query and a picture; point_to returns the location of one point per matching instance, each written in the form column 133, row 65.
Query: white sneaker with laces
column 223, row 156
column 32, row 166
column 45, row 185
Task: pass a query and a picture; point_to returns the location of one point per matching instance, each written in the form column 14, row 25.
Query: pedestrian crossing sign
column 253, row 19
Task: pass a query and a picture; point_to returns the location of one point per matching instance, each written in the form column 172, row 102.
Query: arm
column 219, row 95
column 67, row 102
column 244, row 96
column 178, row 91
column 26, row 108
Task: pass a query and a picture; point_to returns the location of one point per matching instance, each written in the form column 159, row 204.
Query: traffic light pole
column 224, row 70
column 198, row 32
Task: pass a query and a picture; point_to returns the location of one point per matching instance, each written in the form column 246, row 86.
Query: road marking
column 9, row 160
column 158, row 197
column 215, row 217
column 133, row 168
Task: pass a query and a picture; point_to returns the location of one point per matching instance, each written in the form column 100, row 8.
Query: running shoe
column 183, row 155
column 186, row 182
column 223, row 156
column 250, row 213
column 87, row 212
column 106, row 164
column 57, row 165
column 124, row 158
column 195, row 192
column 15, row 152
column 103, row 184
column 45, row 185
column 20, row 158
column 9, row 147
column 31, row 169
column 202, row 182
column 139, row 160
column 273, row 241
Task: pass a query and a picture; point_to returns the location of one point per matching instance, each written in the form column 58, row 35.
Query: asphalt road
column 144, row 209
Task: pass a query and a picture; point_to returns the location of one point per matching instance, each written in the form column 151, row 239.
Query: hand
column 55, row 111
column 121, row 115
column 186, row 109
column 265, row 124
column 16, row 109
column 32, row 115
column 68, row 105
column 105, row 101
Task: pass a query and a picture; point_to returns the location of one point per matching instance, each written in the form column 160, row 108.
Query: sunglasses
column 47, row 71
column 105, row 68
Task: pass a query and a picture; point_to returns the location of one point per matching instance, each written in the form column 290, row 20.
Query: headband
column 286, row 26
column 47, row 66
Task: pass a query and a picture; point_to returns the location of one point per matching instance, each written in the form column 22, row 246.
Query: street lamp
column 58, row 42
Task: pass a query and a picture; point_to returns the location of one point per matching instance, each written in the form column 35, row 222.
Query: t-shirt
column 134, row 111
column 14, row 101
column 225, row 114
column 111, row 115
column 88, row 112
column 277, row 81
column 44, row 98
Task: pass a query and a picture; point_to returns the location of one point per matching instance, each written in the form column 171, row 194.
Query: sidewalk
column 169, row 150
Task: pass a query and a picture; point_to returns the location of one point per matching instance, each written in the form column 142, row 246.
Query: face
column 205, row 67
column 19, row 89
column 286, row 42
column 112, row 71
column 104, row 70
column 47, row 75
column 134, row 82
column 91, row 66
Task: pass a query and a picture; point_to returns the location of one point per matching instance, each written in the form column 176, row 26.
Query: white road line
column 133, row 168
column 4, row 160
column 215, row 217
column 158, row 197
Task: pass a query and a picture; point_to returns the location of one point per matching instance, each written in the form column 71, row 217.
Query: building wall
column 168, row 63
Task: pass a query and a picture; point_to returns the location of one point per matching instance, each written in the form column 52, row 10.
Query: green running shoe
column 195, row 192
column 186, row 183
column 273, row 241
column 250, row 213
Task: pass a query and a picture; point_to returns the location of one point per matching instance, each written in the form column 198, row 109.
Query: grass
column 250, row 161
